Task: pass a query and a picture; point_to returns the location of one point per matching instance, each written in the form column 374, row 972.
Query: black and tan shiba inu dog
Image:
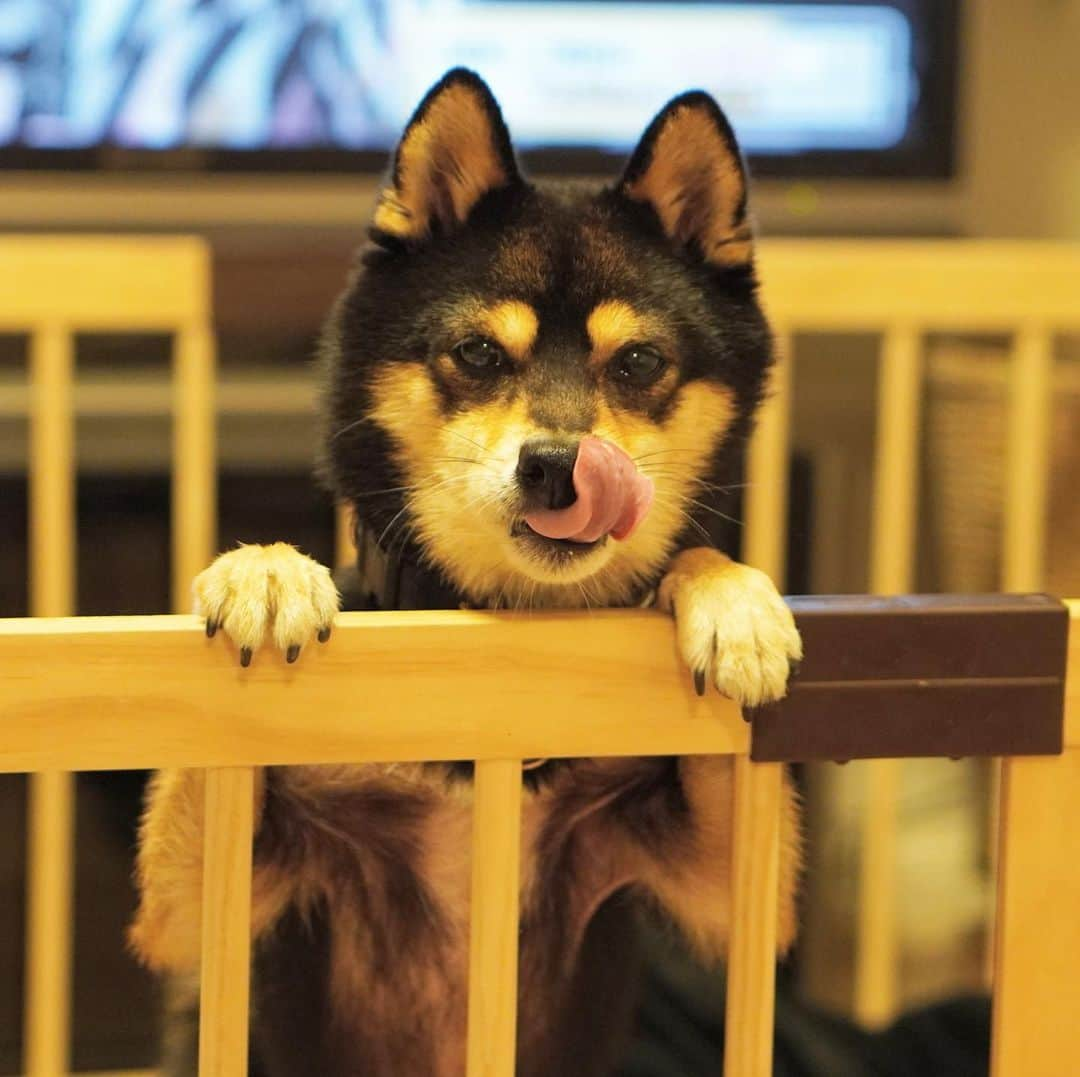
column 529, row 391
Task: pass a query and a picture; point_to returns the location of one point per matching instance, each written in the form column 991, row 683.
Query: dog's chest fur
column 378, row 938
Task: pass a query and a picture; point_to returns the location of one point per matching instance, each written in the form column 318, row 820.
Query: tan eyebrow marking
column 614, row 324
column 514, row 325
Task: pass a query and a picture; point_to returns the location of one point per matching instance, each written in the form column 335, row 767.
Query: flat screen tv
column 840, row 88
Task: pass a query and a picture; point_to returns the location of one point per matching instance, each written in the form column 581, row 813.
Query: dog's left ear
column 687, row 167
column 455, row 150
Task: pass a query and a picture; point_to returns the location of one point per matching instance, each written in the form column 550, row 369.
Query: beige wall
column 1022, row 131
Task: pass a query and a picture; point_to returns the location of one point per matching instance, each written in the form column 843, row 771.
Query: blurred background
column 263, row 126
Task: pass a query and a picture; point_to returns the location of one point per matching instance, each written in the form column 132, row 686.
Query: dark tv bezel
column 929, row 154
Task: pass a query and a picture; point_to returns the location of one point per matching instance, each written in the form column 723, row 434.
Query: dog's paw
column 253, row 590
column 733, row 628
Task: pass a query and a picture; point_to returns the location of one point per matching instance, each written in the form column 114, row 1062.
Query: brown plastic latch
column 921, row 675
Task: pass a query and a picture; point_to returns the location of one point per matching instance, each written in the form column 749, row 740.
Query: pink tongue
column 612, row 497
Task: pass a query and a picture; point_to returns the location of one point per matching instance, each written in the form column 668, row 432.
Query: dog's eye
column 479, row 354
column 638, row 365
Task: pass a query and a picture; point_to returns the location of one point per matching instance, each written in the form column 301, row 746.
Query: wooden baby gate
column 115, row 693
column 105, row 693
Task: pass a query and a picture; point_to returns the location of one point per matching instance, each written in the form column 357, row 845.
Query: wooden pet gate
column 883, row 677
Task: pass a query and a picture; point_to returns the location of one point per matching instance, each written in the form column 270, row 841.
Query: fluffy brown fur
column 361, row 874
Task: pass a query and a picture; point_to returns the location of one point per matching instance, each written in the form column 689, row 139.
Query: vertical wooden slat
column 896, row 462
column 194, row 486
column 226, row 924
column 892, row 558
column 1037, row 948
column 493, row 942
column 1028, row 461
column 766, row 502
column 1024, row 510
column 344, row 537
column 51, row 804
column 52, row 473
column 751, row 972
column 51, row 840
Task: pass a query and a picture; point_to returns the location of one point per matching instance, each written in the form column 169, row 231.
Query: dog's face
column 495, row 325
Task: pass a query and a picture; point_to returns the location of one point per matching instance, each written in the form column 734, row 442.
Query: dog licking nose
column 545, row 473
column 582, row 494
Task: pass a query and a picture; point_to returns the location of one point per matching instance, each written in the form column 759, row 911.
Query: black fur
column 574, row 246
column 584, row 244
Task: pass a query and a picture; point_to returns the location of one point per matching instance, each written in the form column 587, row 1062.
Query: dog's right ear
column 455, row 150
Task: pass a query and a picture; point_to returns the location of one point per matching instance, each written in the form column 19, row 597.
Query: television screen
column 330, row 83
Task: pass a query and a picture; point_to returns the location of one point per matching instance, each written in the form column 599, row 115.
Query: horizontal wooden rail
column 135, row 692
column 853, row 285
column 103, row 283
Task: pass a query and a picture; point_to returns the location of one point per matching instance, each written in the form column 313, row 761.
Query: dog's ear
column 455, row 150
column 688, row 168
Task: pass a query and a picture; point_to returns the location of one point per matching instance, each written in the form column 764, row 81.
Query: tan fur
column 614, row 324
column 611, row 325
column 375, row 859
column 694, row 887
column 569, row 826
column 461, row 474
column 446, row 163
column 696, row 187
column 513, row 325
column 253, row 589
column 167, row 927
column 732, row 624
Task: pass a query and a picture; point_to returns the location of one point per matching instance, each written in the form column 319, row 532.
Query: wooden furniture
column 52, row 288
column 120, row 693
column 903, row 290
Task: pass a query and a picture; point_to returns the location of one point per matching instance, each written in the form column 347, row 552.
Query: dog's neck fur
column 395, row 577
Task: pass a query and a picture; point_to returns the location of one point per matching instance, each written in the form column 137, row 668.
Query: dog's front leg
column 733, row 627
column 735, row 632
column 249, row 594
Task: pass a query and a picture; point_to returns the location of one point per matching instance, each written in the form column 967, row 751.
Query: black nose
column 545, row 473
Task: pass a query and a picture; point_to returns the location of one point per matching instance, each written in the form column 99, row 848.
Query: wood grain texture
column 493, row 940
column 226, row 926
column 1027, row 474
column 766, row 511
column 194, row 467
column 1072, row 679
column 116, row 693
column 892, row 558
column 751, row 969
column 103, row 282
column 863, row 285
column 50, row 886
column 1037, row 946
column 51, row 808
column 52, row 472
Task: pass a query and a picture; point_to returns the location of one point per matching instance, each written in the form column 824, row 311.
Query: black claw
column 748, row 714
column 293, row 653
column 794, row 665
column 245, row 657
column 324, row 634
column 699, row 681
column 211, row 629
